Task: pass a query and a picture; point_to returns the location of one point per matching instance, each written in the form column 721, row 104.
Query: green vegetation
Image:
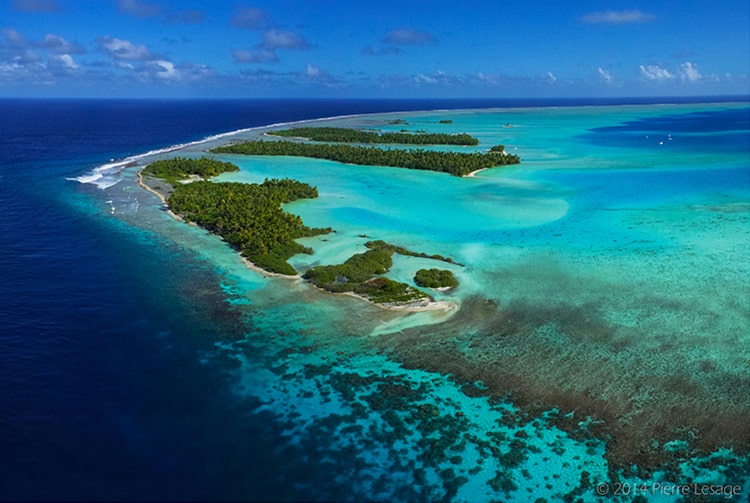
column 348, row 135
column 403, row 251
column 359, row 274
column 180, row 168
column 455, row 163
column 435, row 278
column 249, row 217
column 446, row 121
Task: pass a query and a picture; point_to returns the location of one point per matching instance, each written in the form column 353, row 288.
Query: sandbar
column 161, row 197
column 410, row 307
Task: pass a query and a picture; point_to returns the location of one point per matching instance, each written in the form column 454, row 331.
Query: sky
column 373, row 48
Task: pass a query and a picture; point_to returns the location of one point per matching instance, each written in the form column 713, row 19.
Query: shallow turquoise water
column 606, row 275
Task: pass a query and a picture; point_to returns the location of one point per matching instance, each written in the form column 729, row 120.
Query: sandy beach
column 161, row 197
column 474, row 173
column 410, row 307
column 268, row 274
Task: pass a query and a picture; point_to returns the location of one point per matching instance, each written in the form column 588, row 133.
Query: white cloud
column 47, row 62
column 425, row 79
column 13, row 38
column 438, row 77
column 8, row 69
column 321, row 77
column 605, row 75
column 67, row 61
column 164, row 69
column 313, row 72
column 283, row 39
column 17, row 51
column 689, row 72
column 121, row 49
column 474, row 82
column 656, row 73
column 149, row 67
column 618, row 17
column 59, row 45
column 273, row 40
column 483, row 77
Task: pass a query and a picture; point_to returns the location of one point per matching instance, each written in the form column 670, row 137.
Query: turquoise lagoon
column 602, row 327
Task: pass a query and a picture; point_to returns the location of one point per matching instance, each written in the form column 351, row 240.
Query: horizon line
column 740, row 97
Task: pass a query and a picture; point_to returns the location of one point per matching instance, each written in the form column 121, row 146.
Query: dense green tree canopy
column 180, row 168
column 249, row 217
column 348, row 135
column 361, row 274
column 379, row 244
column 455, row 163
column 435, row 278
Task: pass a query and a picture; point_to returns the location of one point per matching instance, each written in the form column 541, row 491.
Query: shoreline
column 405, row 308
column 117, row 165
column 416, row 306
column 250, row 265
column 431, row 305
column 174, row 215
column 409, row 307
column 473, row 174
column 161, row 197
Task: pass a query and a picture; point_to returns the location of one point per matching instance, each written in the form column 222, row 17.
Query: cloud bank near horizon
column 163, row 48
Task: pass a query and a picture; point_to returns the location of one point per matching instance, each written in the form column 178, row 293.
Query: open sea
column 600, row 350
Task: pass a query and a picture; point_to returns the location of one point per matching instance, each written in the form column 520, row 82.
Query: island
column 349, row 135
column 454, row 163
column 362, row 275
column 180, row 169
column 435, row 278
column 249, row 217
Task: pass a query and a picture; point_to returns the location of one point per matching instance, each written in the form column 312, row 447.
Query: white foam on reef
column 104, row 176
column 107, row 175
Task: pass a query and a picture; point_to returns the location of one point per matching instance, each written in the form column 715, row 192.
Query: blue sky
column 378, row 48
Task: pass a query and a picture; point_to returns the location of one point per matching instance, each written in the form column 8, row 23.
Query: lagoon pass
column 600, row 343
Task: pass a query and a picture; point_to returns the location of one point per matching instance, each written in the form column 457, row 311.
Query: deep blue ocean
column 103, row 393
